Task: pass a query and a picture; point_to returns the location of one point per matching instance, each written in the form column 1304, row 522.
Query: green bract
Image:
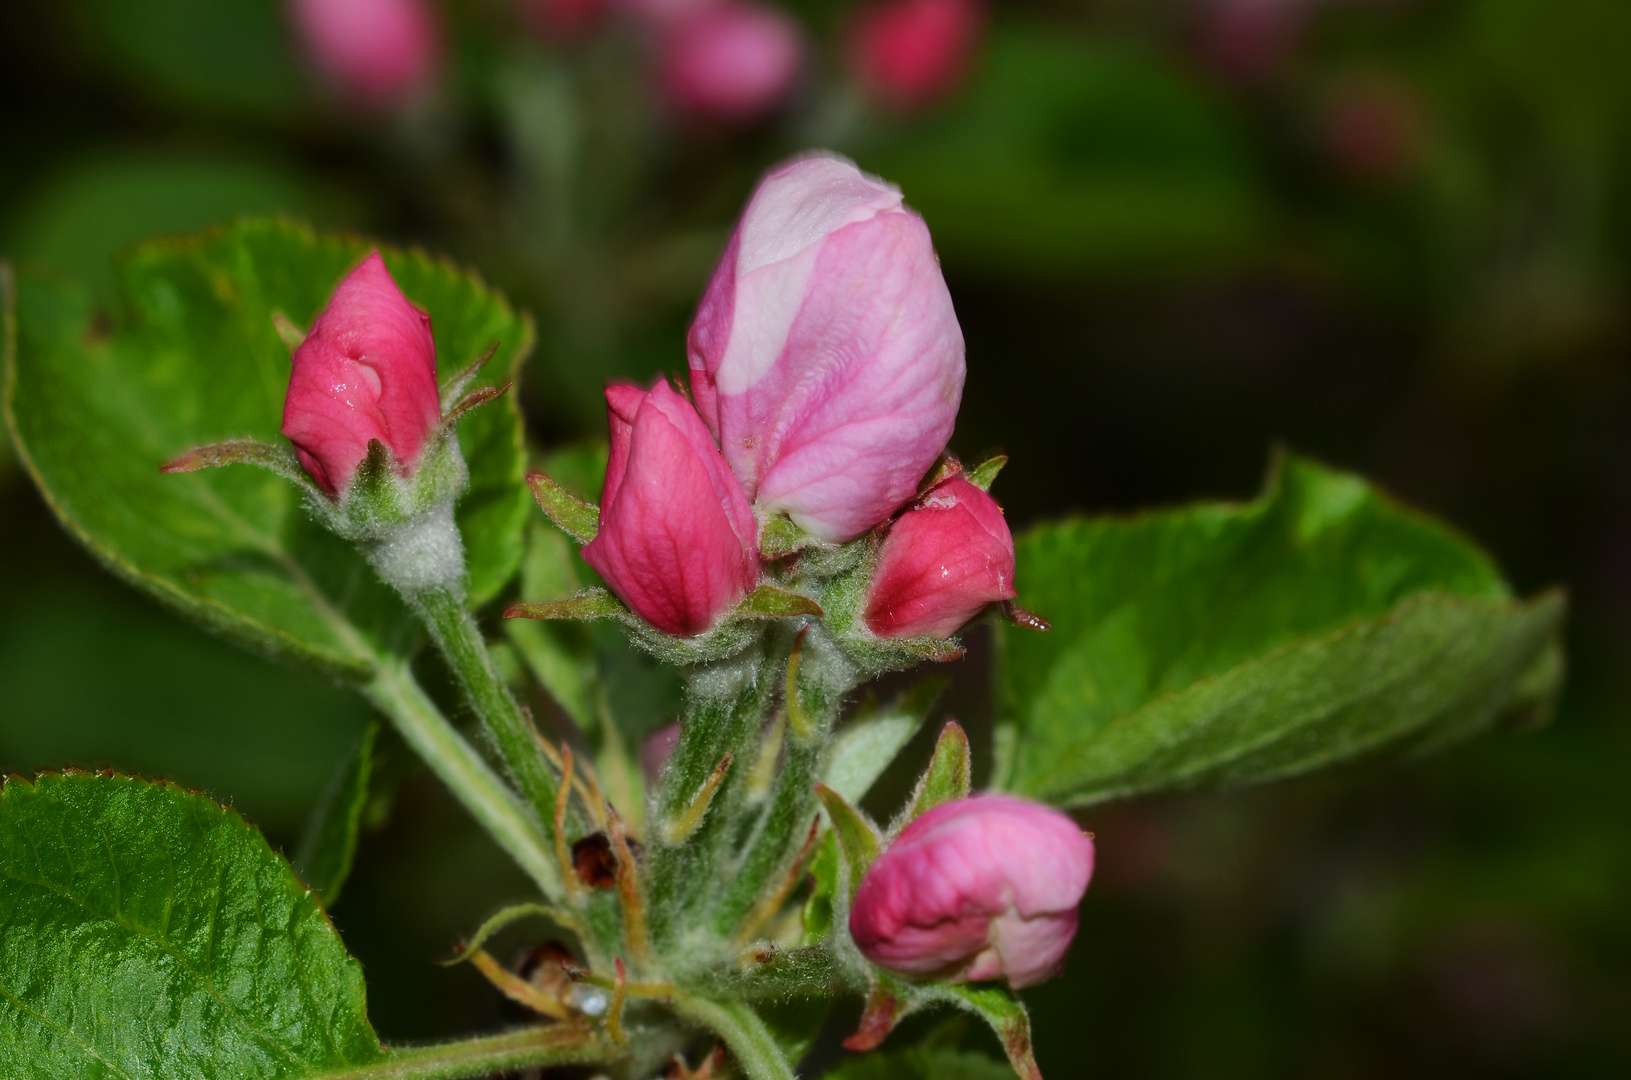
column 193, row 357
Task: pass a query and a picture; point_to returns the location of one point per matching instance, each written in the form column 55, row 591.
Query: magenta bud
column 377, row 52
column 943, row 560
column 367, row 370
column 909, row 53
column 730, row 61
column 981, row 888
column 825, row 355
column 677, row 536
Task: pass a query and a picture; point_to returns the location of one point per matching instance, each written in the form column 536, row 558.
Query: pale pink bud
column 943, row 560
column 980, row 888
column 677, row 536
column 730, row 61
column 367, row 370
column 379, row 52
column 909, row 53
column 825, row 355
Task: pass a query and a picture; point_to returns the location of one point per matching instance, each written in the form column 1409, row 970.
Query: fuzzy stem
column 751, row 1044
column 724, row 708
column 456, row 763
column 460, row 641
column 485, row 1056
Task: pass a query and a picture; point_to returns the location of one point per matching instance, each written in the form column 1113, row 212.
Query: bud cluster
column 826, row 368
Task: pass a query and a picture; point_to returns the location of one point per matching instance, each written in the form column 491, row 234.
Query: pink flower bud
column 825, row 355
column 677, row 536
column 943, row 560
column 981, row 888
column 730, row 61
column 909, row 53
column 380, row 52
column 367, row 370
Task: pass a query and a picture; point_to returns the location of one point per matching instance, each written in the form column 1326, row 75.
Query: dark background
column 1389, row 233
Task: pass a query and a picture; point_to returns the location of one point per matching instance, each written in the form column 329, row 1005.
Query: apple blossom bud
column 943, row 560
column 677, row 536
column 1250, row 41
column 379, row 52
column 730, row 61
column 367, row 370
column 981, row 888
column 825, row 355
column 909, row 53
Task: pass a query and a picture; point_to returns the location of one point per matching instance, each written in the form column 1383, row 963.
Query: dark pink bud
column 379, row 52
column 943, row 560
column 825, row 354
column 980, row 888
column 909, row 53
column 1372, row 128
column 367, row 370
column 677, row 538
column 730, row 61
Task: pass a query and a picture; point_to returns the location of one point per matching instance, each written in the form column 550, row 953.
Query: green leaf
column 947, row 778
column 196, row 359
column 867, row 744
column 1222, row 645
column 921, row 1063
column 146, row 931
column 329, row 843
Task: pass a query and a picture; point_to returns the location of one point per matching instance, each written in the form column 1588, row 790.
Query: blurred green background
column 1389, row 233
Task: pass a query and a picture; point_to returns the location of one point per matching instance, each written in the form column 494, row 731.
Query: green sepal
column 591, row 603
column 576, row 517
column 454, row 386
column 508, row 916
column 779, row 538
column 985, row 473
column 998, row 1007
column 273, row 458
column 767, row 601
column 947, row 778
column 329, row 843
column 858, row 839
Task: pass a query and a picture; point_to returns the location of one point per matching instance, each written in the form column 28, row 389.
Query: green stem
column 465, row 650
column 456, row 763
column 531, row 1047
column 750, row 1042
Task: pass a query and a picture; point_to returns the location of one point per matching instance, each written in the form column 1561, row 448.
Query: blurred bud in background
column 655, row 751
column 562, row 20
column 1371, row 127
column 908, row 54
column 376, row 53
column 1250, row 41
column 727, row 61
